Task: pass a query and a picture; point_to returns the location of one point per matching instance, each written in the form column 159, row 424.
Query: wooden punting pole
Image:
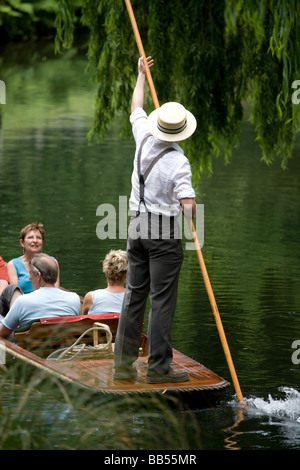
column 192, row 228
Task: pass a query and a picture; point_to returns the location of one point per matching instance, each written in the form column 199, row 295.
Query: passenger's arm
column 4, row 332
column 87, row 303
column 12, row 273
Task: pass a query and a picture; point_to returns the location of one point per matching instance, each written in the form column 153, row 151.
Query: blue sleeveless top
column 23, row 275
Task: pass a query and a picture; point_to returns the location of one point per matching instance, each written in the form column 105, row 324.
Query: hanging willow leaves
column 217, row 57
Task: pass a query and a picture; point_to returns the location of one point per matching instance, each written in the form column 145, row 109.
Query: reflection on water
column 50, row 173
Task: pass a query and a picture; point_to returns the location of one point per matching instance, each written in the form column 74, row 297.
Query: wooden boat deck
column 96, row 374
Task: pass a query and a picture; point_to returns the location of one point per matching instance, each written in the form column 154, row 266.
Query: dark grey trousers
column 153, row 267
column 6, row 296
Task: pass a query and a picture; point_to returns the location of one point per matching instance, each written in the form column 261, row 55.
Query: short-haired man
column 44, row 302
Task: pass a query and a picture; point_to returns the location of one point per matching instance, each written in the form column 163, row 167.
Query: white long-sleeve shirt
column 169, row 181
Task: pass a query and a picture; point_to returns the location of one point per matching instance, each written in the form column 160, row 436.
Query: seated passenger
column 45, row 302
column 31, row 238
column 8, row 292
column 3, row 276
column 109, row 300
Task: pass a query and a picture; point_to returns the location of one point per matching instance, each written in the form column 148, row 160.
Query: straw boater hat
column 171, row 122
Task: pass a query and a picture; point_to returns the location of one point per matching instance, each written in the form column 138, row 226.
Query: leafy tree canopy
column 19, row 19
column 220, row 58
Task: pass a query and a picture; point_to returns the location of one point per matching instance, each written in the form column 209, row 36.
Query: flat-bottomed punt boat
column 79, row 350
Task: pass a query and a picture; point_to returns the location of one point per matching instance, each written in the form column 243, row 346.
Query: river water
column 50, row 173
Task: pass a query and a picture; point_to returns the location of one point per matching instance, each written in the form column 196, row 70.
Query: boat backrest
column 49, row 334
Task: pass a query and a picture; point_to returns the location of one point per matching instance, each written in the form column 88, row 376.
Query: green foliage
column 270, row 62
column 213, row 56
column 19, row 18
column 15, row 8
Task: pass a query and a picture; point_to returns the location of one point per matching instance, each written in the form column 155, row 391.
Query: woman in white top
column 110, row 299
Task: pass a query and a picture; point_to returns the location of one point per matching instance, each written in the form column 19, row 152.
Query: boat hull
column 97, row 373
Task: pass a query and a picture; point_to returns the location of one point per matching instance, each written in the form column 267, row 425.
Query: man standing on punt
column 161, row 188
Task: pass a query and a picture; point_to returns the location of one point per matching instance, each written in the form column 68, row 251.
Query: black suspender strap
column 140, row 153
column 142, row 178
